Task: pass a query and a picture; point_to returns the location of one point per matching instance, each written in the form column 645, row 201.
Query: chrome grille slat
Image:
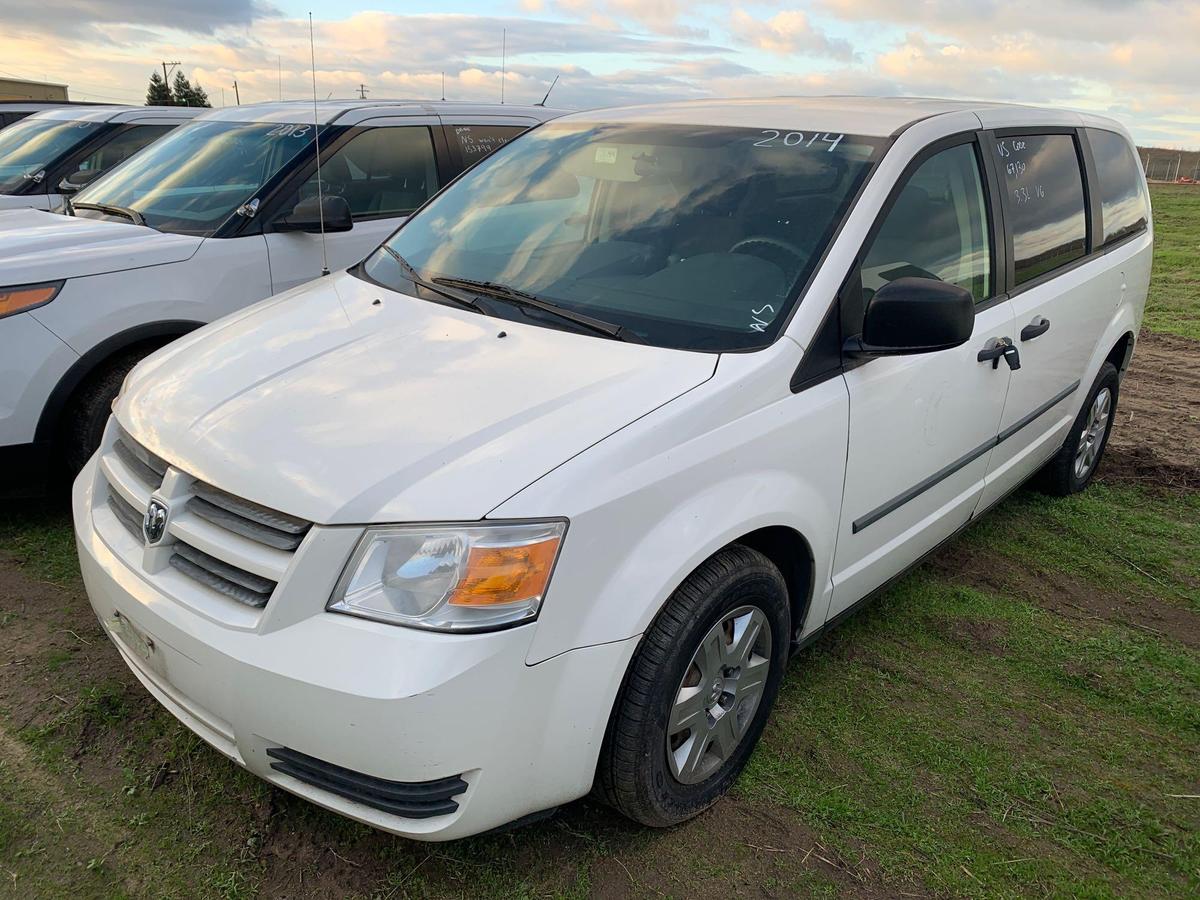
column 126, row 514
column 248, row 528
column 134, row 463
column 224, row 570
column 217, row 583
column 247, row 509
column 151, row 461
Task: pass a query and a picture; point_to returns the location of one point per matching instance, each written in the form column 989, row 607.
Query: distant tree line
column 180, row 92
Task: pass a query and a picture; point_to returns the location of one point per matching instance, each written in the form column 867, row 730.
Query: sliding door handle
column 1039, row 326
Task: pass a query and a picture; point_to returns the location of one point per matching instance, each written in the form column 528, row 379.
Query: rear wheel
column 698, row 691
column 1075, row 464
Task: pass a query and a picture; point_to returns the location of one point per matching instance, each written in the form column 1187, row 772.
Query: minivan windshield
column 689, row 236
column 192, row 180
column 31, row 145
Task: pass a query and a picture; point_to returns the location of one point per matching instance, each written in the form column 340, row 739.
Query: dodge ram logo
column 154, row 524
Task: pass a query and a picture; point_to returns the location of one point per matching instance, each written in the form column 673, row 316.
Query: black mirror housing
column 76, row 181
column 307, row 216
column 915, row 315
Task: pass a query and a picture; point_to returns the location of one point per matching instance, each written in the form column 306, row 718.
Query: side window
column 1044, row 201
column 387, row 171
column 1123, row 204
column 936, row 228
column 474, row 142
column 121, row 147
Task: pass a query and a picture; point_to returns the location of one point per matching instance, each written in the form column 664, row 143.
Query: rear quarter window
column 1043, row 200
column 1123, row 205
column 474, row 142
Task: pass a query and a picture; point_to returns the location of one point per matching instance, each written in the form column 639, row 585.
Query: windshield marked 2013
column 290, row 130
column 796, row 139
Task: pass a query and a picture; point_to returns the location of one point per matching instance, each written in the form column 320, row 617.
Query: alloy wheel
column 719, row 694
column 1092, row 436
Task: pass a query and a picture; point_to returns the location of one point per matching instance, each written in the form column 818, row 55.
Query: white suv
column 49, row 154
column 541, row 496
column 218, row 215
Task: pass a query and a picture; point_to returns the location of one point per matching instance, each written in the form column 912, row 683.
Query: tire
column 88, row 410
column 636, row 774
column 1073, row 467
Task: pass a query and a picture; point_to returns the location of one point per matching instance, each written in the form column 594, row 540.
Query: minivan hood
column 344, row 402
column 41, row 246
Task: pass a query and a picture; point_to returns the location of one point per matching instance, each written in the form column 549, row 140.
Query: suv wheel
column 89, row 409
column 1072, row 469
column 698, row 691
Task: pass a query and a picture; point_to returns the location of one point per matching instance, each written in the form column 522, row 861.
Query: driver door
column 383, row 172
column 921, row 426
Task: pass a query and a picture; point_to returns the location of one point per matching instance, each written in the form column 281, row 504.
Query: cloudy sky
column 1134, row 59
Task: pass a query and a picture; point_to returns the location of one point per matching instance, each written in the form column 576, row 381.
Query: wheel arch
column 151, row 335
column 1122, row 352
column 792, row 554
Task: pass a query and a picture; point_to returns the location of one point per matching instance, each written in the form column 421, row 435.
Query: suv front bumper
column 391, row 703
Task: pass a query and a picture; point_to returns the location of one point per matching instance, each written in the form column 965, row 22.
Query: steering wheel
column 765, row 240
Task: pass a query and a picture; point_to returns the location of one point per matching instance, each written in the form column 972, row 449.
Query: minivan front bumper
column 344, row 712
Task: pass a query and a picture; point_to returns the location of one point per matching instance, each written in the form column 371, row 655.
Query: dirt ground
column 1156, row 438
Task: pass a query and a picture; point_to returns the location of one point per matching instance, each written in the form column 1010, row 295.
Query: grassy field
column 1174, row 304
column 1018, row 717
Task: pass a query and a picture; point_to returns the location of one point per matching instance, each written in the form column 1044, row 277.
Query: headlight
column 450, row 577
column 27, row 296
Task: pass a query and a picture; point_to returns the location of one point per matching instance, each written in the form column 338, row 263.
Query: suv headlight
column 450, row 577
column 23, row 297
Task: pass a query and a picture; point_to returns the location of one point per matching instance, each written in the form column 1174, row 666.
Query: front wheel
column 1075, row 464
column 698, row 691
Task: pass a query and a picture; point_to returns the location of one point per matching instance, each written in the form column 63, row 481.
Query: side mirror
column 307, row 216
column 914, row 315
column 77, row 180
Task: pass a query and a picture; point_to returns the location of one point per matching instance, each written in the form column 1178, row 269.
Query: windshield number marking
column 797, row 139
column 758, row 323
column 289, row 131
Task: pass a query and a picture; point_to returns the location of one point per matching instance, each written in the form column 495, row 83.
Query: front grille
column 410, row 799
column 234, row 547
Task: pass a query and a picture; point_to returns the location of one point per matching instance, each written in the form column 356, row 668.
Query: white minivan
column 50, row 154
column 540, row 497
column 217, row 215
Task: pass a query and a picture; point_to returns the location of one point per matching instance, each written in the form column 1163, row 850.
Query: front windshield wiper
column 524, row 298
column 131, row 214
column 415, row 277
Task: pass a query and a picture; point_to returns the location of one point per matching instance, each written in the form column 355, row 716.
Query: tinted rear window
column 1122, row 198
column 1044, row 199
column 477, row 141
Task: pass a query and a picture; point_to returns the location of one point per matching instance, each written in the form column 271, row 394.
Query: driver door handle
column 1039, row 326
column 1000, row 348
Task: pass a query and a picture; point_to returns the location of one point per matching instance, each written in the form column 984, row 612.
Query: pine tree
column 199, row 96
column 181, row 89
column 158, row 94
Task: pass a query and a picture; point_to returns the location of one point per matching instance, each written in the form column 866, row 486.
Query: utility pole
column 363, row 90
column 236, row 95
column 503, row 60
column 279, row 72
column 166, row 74
column 443, row 85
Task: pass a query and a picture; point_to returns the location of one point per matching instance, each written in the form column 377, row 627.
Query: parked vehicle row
column 215, row 216
column 54, row 153
column 538, row 498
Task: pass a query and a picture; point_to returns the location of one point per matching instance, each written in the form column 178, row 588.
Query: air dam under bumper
column 389, row 703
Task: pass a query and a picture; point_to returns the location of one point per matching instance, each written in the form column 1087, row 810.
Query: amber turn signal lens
column 497, row 575
column 19, row 299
